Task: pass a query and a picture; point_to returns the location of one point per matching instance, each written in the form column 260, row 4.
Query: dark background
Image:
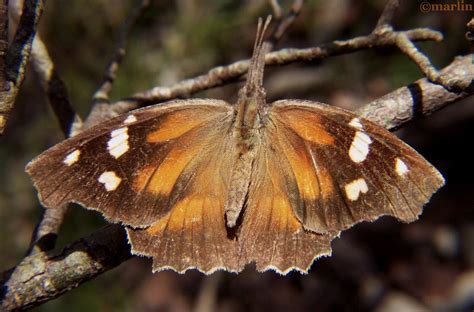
column 380, row 266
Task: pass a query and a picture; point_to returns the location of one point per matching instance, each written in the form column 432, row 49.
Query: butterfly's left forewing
column 134, row 167
column 348, row 169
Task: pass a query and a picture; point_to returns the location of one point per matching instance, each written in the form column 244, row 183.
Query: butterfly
column 204, row 184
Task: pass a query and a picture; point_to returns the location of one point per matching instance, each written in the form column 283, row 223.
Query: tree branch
column 421, row 97
column 224, row 74
column 283, row 22
column 45, row 276
column 53, row 86
column 102, row 93
column 17, row 57
column 3, row 44
column 388, row 14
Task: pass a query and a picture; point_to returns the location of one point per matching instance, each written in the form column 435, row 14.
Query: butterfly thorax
column 248, row 116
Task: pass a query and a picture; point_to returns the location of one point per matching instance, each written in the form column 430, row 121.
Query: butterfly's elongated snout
column 252, row 101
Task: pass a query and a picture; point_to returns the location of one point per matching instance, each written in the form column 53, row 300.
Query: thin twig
column 53, row 86
column 51, row 83
column 421, row 60
column 225, row 74
column 406, row 45
column 283, row 22
column 102, row 93
column 424, row 64
column 388, row 14
column 470, row 30
column 41, row 277
column 3, row 47
column 470, row 37
column 277, row 9
column 46, row 231
column 101, row 109
column 17, row 57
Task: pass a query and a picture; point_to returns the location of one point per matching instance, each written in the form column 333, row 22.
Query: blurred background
column 382, row 266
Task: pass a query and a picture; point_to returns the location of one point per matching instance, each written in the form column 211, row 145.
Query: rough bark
column 44, row 276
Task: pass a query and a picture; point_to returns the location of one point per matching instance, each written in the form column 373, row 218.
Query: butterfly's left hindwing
column 193, row 233
column 347, row 169
column 133, row 168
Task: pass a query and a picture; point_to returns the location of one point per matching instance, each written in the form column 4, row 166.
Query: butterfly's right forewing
column 348, row 169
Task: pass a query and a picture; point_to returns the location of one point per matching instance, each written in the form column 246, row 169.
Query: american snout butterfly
column 204, row 184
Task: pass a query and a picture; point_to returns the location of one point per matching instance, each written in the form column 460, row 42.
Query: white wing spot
column 359, row 147
column 130, row 119
column 118, row 143
column 110, row 180
column 356, row 187
column 355, row 123
column 400, row 167
column 72, row 157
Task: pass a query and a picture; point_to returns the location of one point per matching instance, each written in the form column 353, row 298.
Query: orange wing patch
column 161, row 180
column 305, row 175
column 282, row 216
column 191, row 235
column 326, row 182
column 184, row 214
column 176, row 124
column 311, row 183
column 307, row 126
